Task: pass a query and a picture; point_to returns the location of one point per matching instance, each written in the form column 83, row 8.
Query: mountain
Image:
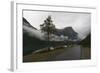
column 33, row 39
column 86, row 42
column 31, row 31
column 32, row 43
column 25, row 22
column 34, row 32
column 68, row 31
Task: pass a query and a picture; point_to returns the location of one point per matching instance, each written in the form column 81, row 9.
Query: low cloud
column 33, row 33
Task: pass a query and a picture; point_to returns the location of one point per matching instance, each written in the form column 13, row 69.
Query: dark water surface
column 76, row 52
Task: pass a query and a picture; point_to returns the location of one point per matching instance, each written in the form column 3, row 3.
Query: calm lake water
column 76, row 52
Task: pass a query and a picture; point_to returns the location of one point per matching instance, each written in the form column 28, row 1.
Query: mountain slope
column 68, row 31
column 87, row 41
column 25, row 22
column 31, row 38
column 31, row 31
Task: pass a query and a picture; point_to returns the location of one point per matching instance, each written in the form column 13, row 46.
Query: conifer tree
column 48, row 27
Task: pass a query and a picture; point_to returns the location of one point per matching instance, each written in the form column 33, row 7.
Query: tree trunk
column 48, row 39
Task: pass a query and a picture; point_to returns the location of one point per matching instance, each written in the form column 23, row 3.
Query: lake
column 75, row 52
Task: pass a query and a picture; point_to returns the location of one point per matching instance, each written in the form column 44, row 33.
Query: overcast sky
column 80, row 22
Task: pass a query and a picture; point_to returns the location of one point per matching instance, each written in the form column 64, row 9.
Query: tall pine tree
column 48, row 27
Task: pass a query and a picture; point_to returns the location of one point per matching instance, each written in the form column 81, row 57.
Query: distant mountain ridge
column 68, row 31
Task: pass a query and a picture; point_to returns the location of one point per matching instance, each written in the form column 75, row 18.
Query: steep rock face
column 68, row 31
